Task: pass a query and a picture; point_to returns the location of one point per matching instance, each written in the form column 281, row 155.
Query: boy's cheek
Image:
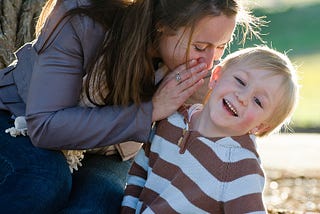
column 249, row 120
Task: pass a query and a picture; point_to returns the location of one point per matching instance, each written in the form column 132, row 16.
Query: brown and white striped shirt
column 197, row 175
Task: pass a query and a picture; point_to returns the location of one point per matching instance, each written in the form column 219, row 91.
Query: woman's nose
column 210, row 57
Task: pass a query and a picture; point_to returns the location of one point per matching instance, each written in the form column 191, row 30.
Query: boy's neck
column 199, row 122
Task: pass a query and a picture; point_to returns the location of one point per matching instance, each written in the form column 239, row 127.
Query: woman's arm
column 55, row 120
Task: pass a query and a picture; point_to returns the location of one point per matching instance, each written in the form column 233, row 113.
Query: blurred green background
column 294, row 28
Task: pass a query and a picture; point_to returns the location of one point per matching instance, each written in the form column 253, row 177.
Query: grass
column 280, row 4
column 292, row 29
column 295, row 29
column 308, row 111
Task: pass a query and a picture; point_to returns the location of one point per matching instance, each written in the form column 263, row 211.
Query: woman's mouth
column 230, row 108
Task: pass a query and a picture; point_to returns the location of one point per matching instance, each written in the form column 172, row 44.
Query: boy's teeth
column 231, row 107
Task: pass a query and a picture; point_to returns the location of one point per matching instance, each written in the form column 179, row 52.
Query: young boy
column 203, row 158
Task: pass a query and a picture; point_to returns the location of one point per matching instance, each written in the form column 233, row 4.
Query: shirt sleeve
column 136, row 181
column 250, row 203
column 245, row 194
column 54, row 118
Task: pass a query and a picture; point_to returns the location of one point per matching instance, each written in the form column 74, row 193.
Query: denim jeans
column 35, row 180
column 98, row 186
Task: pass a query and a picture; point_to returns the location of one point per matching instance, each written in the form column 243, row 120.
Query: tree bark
column 17, row 26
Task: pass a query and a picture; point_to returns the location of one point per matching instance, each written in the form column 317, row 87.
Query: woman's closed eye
column 222, row 47
column 203, row 47
column 200, row 47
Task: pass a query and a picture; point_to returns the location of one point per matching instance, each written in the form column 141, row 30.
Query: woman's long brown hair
column 123, row 72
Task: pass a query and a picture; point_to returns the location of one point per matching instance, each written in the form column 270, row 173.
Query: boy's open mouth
column 230, row 108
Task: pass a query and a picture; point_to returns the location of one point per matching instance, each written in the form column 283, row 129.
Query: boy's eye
column 240, row 81
column 256, row 100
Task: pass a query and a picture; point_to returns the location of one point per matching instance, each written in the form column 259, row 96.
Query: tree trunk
column 17, row 26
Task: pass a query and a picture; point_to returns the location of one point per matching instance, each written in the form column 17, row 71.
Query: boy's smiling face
column 243, row 99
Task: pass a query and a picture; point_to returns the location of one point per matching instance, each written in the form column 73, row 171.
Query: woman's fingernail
column 203, row 65
column 193, row 61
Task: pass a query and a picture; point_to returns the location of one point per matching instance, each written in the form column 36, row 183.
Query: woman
column 103, row 54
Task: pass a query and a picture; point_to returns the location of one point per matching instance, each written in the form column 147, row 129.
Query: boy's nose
column 242, row 97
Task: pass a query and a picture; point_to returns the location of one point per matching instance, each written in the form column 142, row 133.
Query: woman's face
column 209, row 40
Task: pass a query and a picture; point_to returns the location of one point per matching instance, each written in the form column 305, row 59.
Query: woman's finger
column 195, row 72
column 185, row 94
column 192, row 79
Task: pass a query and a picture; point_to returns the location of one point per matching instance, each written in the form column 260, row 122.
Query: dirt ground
column 287, row 194
column 292, row 167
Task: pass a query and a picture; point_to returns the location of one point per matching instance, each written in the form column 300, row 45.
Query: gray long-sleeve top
column 54, row 118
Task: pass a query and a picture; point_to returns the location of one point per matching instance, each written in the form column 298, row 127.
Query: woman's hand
column 177, row 87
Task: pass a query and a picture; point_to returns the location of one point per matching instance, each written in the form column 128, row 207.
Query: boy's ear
column 215, row 76
column 260, row 129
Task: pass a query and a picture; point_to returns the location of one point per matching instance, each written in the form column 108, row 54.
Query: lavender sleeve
column 54, row 118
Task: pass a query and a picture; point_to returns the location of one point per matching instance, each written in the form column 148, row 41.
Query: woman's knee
column 32, row 178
